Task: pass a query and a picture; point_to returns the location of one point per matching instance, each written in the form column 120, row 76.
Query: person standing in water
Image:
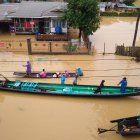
column 123, row 84
column 63, row 77
column 28, row 68
column 75, row 79
column 79, row 71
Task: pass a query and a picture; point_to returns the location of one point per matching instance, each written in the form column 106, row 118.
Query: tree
column 129, row 2
column 84, row 15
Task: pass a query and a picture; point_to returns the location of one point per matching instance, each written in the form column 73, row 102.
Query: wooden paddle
column 5, row 77
column 102, row 130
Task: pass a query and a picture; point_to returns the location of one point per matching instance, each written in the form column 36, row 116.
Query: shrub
column 109, row 14
column 129, row 14
column 70, row 49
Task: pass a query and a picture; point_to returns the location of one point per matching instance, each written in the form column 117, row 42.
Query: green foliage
column 109, row 14
column 129, row 2
column 124, row 14
column 70, row 49
column 129, row 14
column 120, row 50
column 83, row 14
column 138, row 54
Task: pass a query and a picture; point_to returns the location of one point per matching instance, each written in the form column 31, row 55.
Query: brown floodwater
column 34, row 117
column 115, row 31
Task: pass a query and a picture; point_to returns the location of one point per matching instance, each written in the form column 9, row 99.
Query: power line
column 64, row 60
column 86, row 70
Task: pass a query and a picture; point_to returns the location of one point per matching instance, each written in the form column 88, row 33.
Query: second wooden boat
column 37, row 75
column 125, row 126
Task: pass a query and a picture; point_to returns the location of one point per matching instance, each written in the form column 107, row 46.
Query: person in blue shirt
column 79, row 71
column 123, row 84
column 63, row 77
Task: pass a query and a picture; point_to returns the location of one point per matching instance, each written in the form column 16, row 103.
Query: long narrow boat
column 37, row 75
column 125, row 126
column 65, row 90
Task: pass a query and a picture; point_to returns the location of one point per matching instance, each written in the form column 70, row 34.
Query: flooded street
column 34, row 117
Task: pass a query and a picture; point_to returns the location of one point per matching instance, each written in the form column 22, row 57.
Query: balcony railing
column 54, row 37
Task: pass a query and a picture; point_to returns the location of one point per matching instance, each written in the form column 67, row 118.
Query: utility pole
column 136, row 28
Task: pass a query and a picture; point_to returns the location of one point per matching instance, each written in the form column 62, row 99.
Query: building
column 31, row 17
column 4, row 11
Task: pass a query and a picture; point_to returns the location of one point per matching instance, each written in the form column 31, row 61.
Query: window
column 60, row 23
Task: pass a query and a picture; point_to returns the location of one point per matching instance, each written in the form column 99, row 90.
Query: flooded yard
column 113, row 31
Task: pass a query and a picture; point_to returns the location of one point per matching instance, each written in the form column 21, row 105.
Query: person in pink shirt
column 67, row 73
column 43, row 74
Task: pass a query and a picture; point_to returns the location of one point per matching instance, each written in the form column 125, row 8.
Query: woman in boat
column 67, row 73
column 43, row 74
column 123, row 84
column 63, row 77
column 99, row 88
column 28, row 68
column 75, row 79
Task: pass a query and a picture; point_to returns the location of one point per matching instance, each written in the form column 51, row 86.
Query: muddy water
column 33, row 117
column 115, row 31
column 137, row 2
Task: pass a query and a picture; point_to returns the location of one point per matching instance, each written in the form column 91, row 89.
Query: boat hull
column 37, row 75
column 125, row 126
column 128, row 126
column 64, row 90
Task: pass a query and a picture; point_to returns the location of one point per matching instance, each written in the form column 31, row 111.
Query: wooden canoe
column 66, row 90
column 36, row 75
column 125, row 126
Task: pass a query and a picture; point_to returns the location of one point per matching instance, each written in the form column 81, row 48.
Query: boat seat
column 31, row 86
column 17, row 84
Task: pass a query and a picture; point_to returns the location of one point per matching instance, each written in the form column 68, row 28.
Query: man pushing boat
column 28, row 68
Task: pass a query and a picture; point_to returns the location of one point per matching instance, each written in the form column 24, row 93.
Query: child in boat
column 123, row 84
column 67, row 73
column 28, row 68
column 99, row 88
column 43, row 74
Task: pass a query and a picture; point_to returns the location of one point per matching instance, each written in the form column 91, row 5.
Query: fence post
column 104, row 49
column 29, row 46
column 89, row 47
column 50, row 47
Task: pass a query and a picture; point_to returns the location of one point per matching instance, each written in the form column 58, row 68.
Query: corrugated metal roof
column 121, row 5
column 37, row 9
column 5, row 8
